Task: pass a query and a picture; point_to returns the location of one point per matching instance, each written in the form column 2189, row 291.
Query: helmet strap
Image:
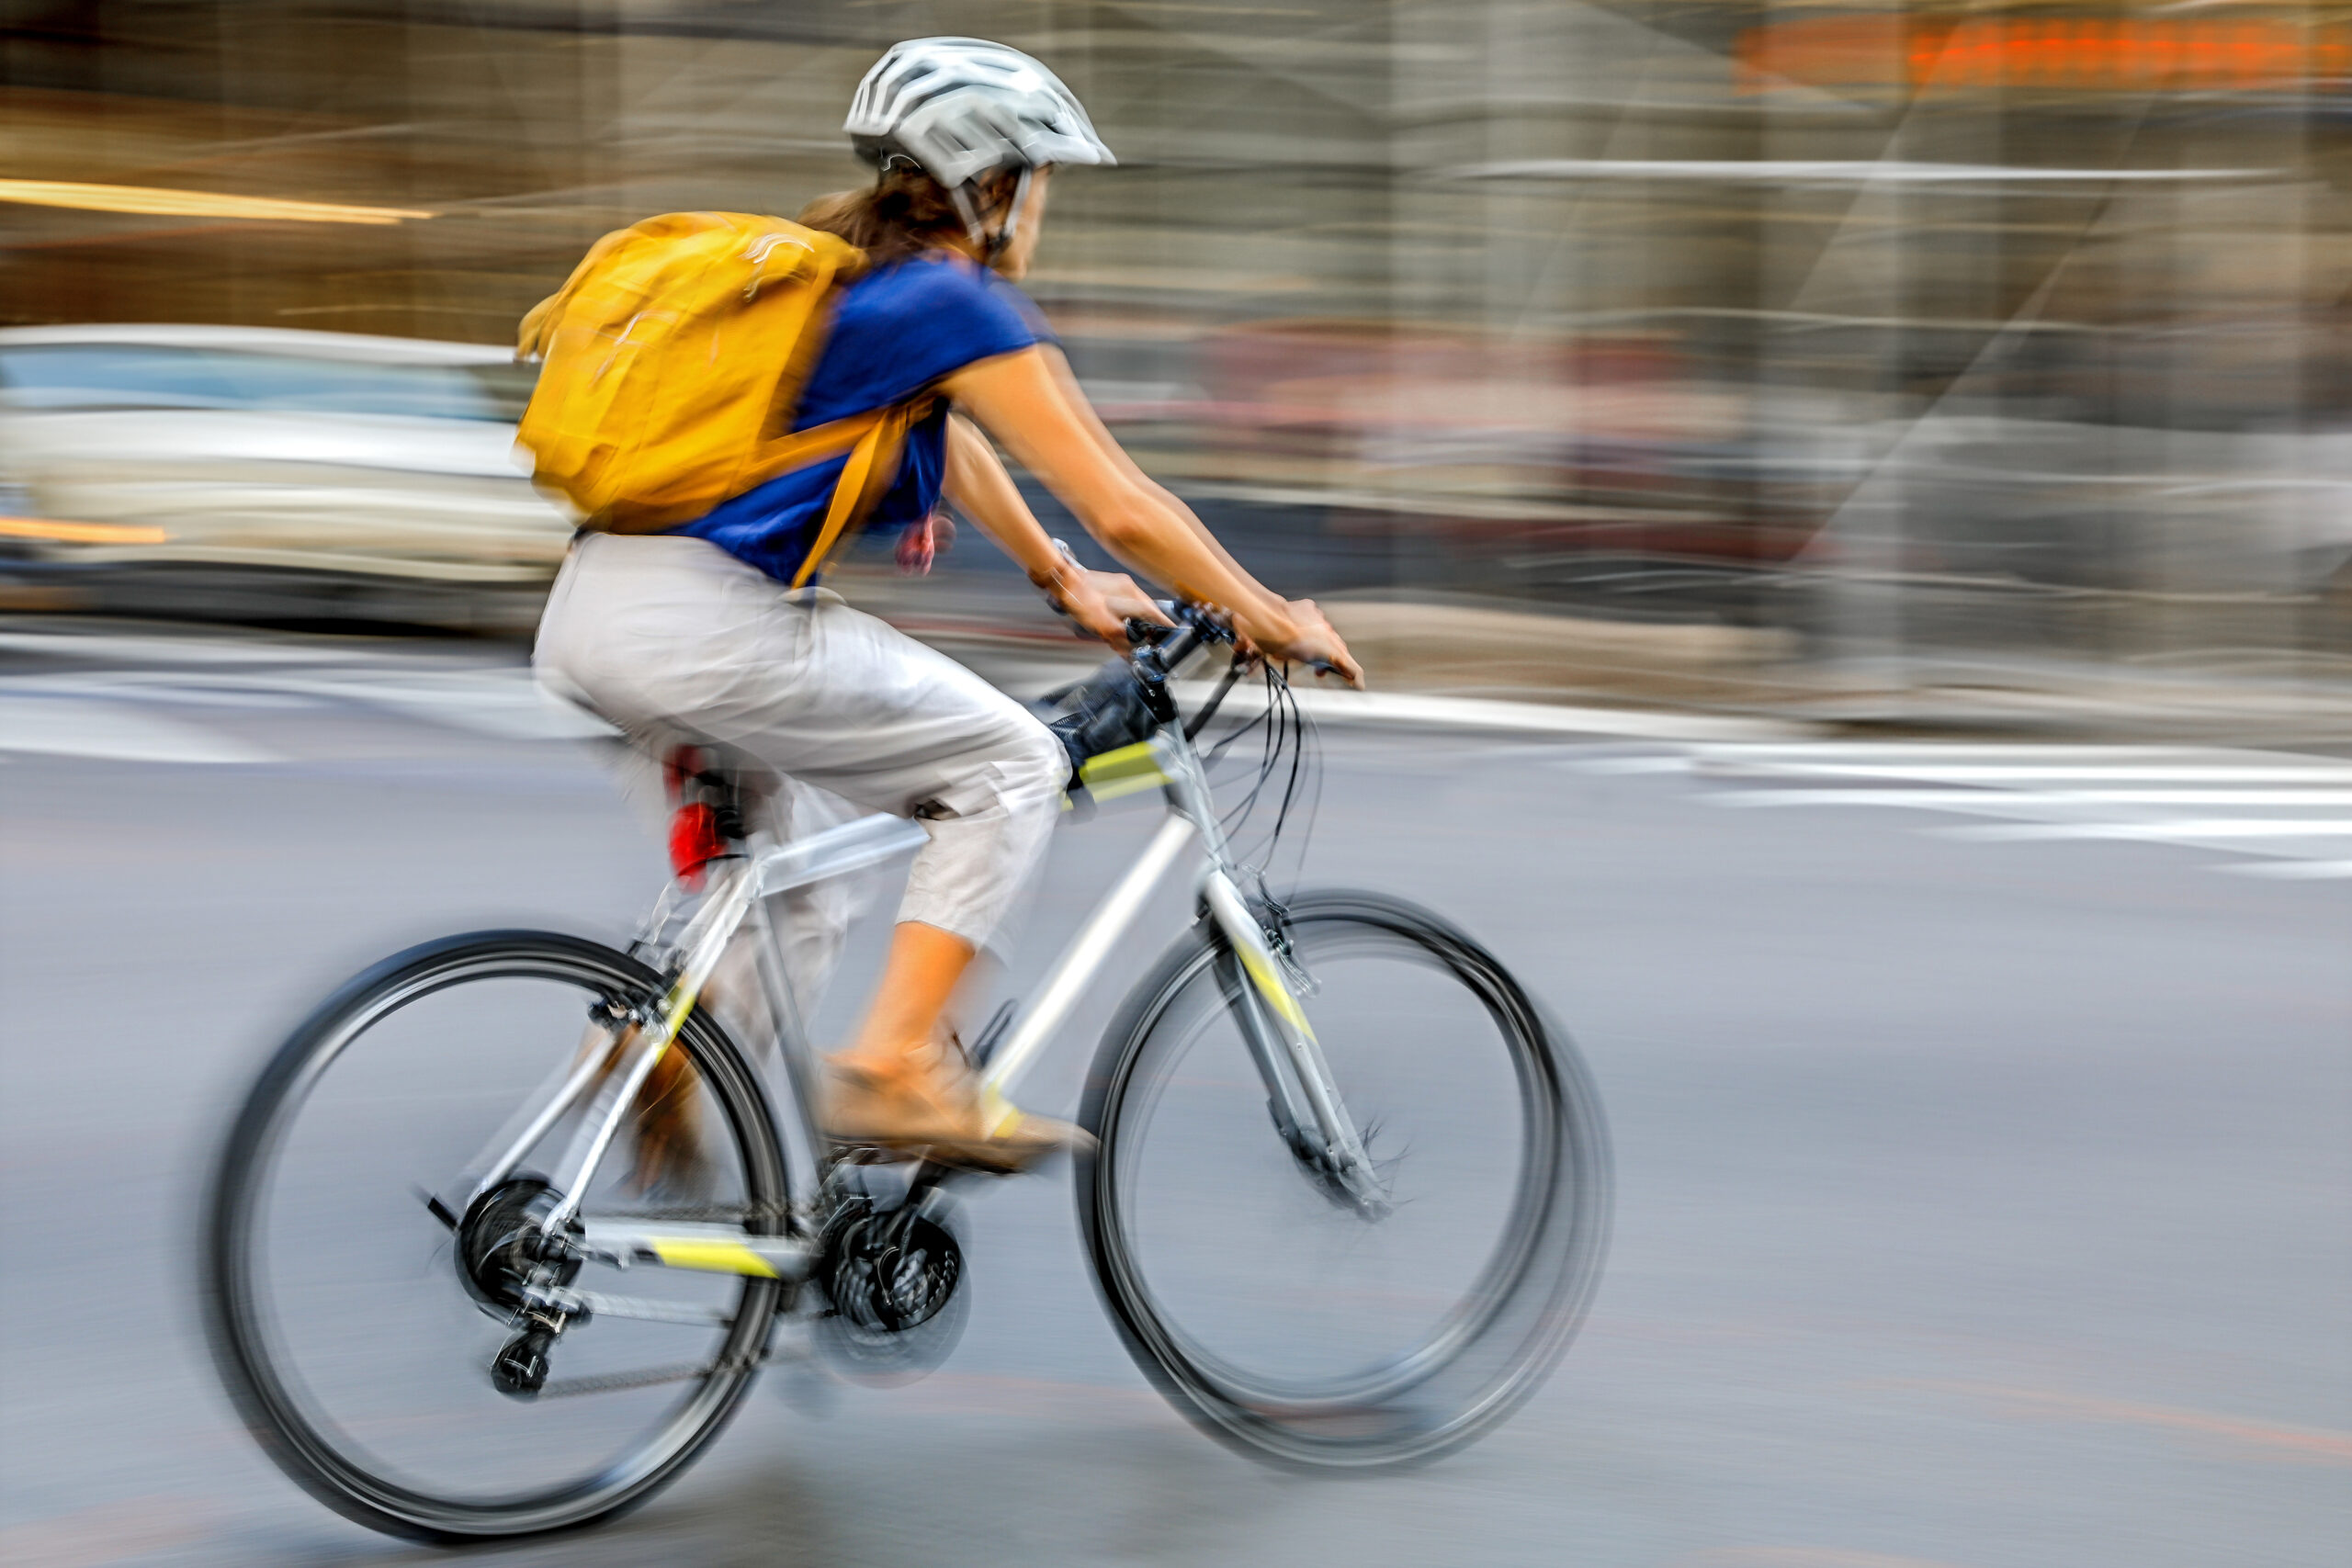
column 1003, row 240
column 962, row 196
column 991, row 246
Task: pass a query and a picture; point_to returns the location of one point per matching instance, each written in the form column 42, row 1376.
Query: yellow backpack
column 674, row 358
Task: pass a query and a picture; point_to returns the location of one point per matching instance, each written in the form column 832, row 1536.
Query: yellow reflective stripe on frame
column 1277, row 995
column 711, row 1256
column 1122, row 771
column 674, row 1008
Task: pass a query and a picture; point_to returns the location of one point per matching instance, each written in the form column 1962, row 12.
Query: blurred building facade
column 1925, row 343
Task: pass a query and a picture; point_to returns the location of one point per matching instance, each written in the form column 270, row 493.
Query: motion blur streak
column 194, row 203
column 1846, row 511
column 2083, row 53
column 79, row 533
column 1881, row 362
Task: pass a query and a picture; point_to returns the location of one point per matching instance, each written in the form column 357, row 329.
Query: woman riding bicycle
column 695, row 637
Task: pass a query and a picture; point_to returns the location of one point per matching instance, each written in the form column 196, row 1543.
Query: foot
column 936, row 1111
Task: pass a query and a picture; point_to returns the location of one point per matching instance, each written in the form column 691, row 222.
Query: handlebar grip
column 1177, row 645
column 1169, row 645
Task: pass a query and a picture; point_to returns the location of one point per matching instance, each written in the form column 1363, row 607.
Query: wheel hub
column 501, row 1247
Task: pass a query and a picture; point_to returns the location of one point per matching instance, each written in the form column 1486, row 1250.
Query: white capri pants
column 820, row 711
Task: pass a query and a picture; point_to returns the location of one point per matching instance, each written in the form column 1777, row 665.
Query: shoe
column 938, row 1114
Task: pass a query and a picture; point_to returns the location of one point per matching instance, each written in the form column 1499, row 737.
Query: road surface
column 1983, row 1159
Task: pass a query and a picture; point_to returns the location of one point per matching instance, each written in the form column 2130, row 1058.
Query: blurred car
column 246, row 472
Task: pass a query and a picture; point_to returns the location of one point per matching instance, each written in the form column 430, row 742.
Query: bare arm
column 977, row 486
column 1059, row 363
column 1022, row 401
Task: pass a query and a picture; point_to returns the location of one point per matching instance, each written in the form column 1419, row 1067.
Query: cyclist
column 693, row 636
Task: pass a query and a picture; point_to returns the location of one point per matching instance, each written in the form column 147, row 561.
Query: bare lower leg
column 918, row 981
column 898, row 1085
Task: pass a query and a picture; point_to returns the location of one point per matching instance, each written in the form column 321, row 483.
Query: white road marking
column 2276, row 814
column 1969, row 799
column 1973, row 773
column 2186, row 829
column 2029, row 751
column 1332, row 703
column 504, row 702
column 2293, row 870
column 64, row 727
column 167, row 652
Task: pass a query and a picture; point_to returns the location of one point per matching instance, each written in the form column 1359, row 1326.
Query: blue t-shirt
column 896, row 330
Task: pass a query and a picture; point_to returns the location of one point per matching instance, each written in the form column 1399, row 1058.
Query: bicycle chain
column 615, row 1383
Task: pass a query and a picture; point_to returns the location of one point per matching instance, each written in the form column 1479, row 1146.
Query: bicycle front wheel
column 1287, row 1322
column 356, row 1332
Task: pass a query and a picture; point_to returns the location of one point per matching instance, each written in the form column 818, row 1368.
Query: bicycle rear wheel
column 1289, row 1324
column 343, row 1320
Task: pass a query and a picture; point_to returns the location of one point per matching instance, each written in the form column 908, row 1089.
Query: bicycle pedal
column 519, row 1370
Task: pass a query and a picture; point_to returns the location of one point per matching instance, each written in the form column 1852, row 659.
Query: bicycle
column 1244, row 1206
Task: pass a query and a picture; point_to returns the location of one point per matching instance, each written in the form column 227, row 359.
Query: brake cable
column 1216, row 699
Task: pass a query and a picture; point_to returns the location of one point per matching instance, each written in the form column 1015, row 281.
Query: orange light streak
column 79, row 533
column 2053, row 54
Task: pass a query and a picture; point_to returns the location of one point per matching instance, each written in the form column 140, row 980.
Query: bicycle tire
column 236, row 1322
column 1523, row 1311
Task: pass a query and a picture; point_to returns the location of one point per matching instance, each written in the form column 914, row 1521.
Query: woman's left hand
column 1104, row 602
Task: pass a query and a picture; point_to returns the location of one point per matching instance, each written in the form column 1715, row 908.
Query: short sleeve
column 1032, row 319
column 900, row 328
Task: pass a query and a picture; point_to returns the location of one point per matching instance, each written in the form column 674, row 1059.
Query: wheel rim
column 1515, row 1310
column 281, row 1374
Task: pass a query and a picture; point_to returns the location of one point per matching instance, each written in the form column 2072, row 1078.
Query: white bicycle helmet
column 962, row 108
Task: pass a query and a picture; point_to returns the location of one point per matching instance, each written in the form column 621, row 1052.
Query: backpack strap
column 873, row 465
column 778, row 457
column 873, row 440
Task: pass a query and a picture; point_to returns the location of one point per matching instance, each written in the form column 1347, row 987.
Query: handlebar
column 1171, row 645
column 1162, row 648
column 1129, row 698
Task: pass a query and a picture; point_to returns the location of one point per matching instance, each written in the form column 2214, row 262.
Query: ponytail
column 903, row 214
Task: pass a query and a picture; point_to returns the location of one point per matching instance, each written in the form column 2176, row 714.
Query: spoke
column 434, row 1206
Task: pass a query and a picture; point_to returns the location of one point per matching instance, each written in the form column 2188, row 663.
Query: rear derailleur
column 508, row 1263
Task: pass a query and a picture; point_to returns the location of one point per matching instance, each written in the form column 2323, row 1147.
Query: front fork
column 1301, row 1096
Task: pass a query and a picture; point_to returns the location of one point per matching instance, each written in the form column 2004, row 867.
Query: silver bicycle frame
column 1305, row 1102
column 740, row 886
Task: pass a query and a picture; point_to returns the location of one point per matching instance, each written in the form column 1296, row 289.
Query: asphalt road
column 1983, row 1199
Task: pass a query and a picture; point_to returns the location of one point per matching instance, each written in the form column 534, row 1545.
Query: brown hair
column 903, row 214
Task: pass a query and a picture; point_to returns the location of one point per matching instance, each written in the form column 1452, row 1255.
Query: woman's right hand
column 1311, row 640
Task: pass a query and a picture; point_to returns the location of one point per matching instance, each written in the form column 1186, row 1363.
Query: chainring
column 891, row 1278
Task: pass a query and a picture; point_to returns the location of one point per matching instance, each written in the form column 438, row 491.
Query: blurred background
column 1892, row 362
column 1899, row 459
